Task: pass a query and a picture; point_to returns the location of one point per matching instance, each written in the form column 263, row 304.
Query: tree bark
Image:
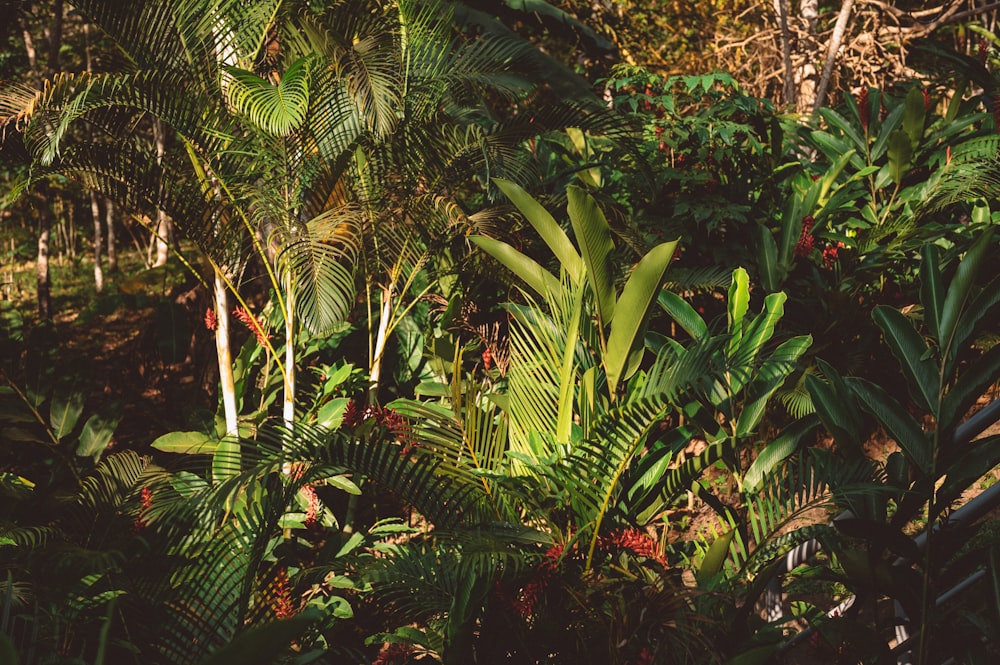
column 781, row 7
column 227, row 384
column 164, row 228
column 95, row 209
column 109, row 223
column 836, row 39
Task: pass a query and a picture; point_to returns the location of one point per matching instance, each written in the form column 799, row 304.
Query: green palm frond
column 279, row 108
column 705, row 279
column 319, row 263
column 600, row 463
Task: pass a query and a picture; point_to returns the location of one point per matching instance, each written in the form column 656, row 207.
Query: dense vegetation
column 470, row 334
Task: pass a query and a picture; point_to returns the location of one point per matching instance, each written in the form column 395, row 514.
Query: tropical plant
column 946, row 371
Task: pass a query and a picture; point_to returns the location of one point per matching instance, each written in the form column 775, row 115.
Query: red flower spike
column 284, row 606
column 314, row 510
column 804, row 246
column 487, row 359
column 645, row 657
column 210, row 321
column 864, row 108
column 254, row 324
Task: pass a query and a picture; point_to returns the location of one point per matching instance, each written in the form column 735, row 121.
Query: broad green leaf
column 193, row 443
column 225, row 460
column 263, row 643
column 960, row 288
column 594, row 237
column 913, row 355
column 96, row 434
column 546, row 227
column 971, row 384
column 331, row 414
column 914, row 115
column 683, row 313
column 981, row 456
column 65, row 410
column 777, row 451
column 534, row 275
column 769, row 377
column 770, row 273
column 899, row 424
column 739, row 301
column 858, row 142
column 900, row 152
column 931, row 289
column 715, row 557
column 757, row 333
column 636, row 300
column 837, row 408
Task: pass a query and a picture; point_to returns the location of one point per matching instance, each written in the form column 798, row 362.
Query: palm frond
column 279, row 108
column 319, row 263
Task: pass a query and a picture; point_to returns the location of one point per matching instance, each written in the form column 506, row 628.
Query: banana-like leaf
column 65, row 409
column 837, row 407
column 683, row 313
column 546, row 227
column 527, row 269
column 969, row 386
column 911, row 438
column 960, row 291
column 900, row 152
column 594, row 237
column 715, row 557
column 738, row 302
column 633, row 309
column 931, row 289
column 913, row 355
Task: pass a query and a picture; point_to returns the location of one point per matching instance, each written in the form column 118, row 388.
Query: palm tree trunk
column 227, row 384
column 164, row 229
column 109, row 223
column 381, row 336
column 288, row 408
column 95, row 210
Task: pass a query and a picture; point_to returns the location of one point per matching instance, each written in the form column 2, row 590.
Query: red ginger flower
column 284, row 606
column 210, row 321
column 145, row 503
column 830, row 254
column 635, row 541
column 253, row 323
column 645, row 657
column 804, row 246
column 315, row 508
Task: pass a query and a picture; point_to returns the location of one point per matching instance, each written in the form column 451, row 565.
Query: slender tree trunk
column 95, row 209
column 109, row 223
column 839, row 29
column 381, row 336
column 42, row 278
column 164, row 229
column 288, row 410
column 781, row 7
column 227, row 384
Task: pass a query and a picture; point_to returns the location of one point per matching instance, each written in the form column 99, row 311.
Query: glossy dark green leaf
column 900, row 152
column 914, row 115
column 263, row 643
column 593, row 235
column 913, row 355
column 683, row 313
column 899, row 424
column 837, row 408
column 931, row 289
column 960, row 290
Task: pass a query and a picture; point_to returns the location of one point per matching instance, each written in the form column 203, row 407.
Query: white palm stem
column 226, row 382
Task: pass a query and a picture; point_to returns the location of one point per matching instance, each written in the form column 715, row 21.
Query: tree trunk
column 831, row 54
column 109, row 223
column 95, row 209
column 164, row 229
column 42, row 278
column 227, row 384
column 781, row 7
column 288, row 410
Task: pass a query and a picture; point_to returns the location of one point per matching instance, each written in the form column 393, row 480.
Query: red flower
column 253, row 323
column 830, row 255
column 284, row 606
column 145, row 503
column 210, row 322
column 984, row 51
column 635, row 541
column 487, row 359
column 645, row 657
column 927, row 100
column 804, row 246
column 315, row 508
column 864, row 108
